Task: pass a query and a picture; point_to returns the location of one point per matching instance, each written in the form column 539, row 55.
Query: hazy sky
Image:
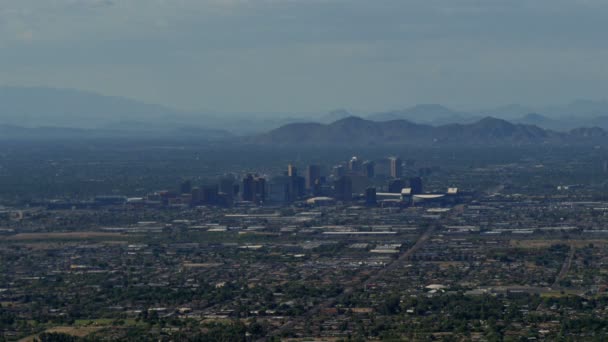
column 310, row 55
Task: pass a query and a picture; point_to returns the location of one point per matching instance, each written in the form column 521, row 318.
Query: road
column 565, row 268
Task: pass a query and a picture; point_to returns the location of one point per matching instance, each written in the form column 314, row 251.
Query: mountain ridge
column 71, row 108
column 359, row 131
column 61, row 107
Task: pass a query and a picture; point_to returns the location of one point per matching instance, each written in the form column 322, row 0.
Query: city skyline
column 299, row 170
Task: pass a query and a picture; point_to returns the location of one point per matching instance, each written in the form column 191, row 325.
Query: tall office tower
column 343, row 189
column 396, row 185
column 186, row 187
column 313, row 174
column 354, row 165
column 260, row 190
column 370, row 196
column 210, row 194
column 339, row 171
column 296, row 188
column 292, row 171
column 369, row 169
column 248, row 191
column 416, row 185
column 196, row 196
column 278, row 189
column 300, row 187
column 317, row 189
column 226, row 186
column 396, row 167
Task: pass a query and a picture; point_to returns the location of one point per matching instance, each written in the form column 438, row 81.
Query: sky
column 310, row 55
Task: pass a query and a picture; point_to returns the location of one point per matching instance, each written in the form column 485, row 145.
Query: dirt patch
column 74, row 331
column 447, row 264
column 203, row 265
column 549, row 243
column 62, row 236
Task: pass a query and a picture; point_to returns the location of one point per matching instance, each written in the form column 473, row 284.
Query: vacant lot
column 549, row 243
column 74, row 331
column 203, row 265
column 62, row 236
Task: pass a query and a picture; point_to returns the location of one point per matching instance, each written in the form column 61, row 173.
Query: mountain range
column 43, row 111
column 486, row 131
column 580, row 113
column 431, row 114
column 35, row 107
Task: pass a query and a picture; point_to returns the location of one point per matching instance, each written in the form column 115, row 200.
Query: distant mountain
column 335, row 115
column 52, row 107
column 533, row 119
column 492, row 130
column 40, row 106
column 511, row 111
column 599, row 121
column 66, row 108
column 423, row 113
column 579, row 108
column 358, row 131
column 560, row 118
column 544, row 122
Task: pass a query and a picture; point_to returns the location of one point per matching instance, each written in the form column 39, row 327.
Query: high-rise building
column 226, row 190
column 226, row 187
column 186, row 187
column 292, row 171
column 210, row 194
column 165, row 196
column 278, row 189
column 343, row 189
column 313, row 174
column 229, row 188
column 196, row 196
column 254, row 189
column 260, row 190
column 396, row 167
column 396, row 185
column 296, row 185
column 248, row 192
column 339, row 171
column 297, row 188
column 317, row 188
column 370, row 196
column 285, row 189
column 416, row 185
column 354, row 165
column 369, row 169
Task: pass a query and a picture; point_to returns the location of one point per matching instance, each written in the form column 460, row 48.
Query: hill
column 423, row 113
column 41, row 106
column 358, row 131
column 68, row 108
